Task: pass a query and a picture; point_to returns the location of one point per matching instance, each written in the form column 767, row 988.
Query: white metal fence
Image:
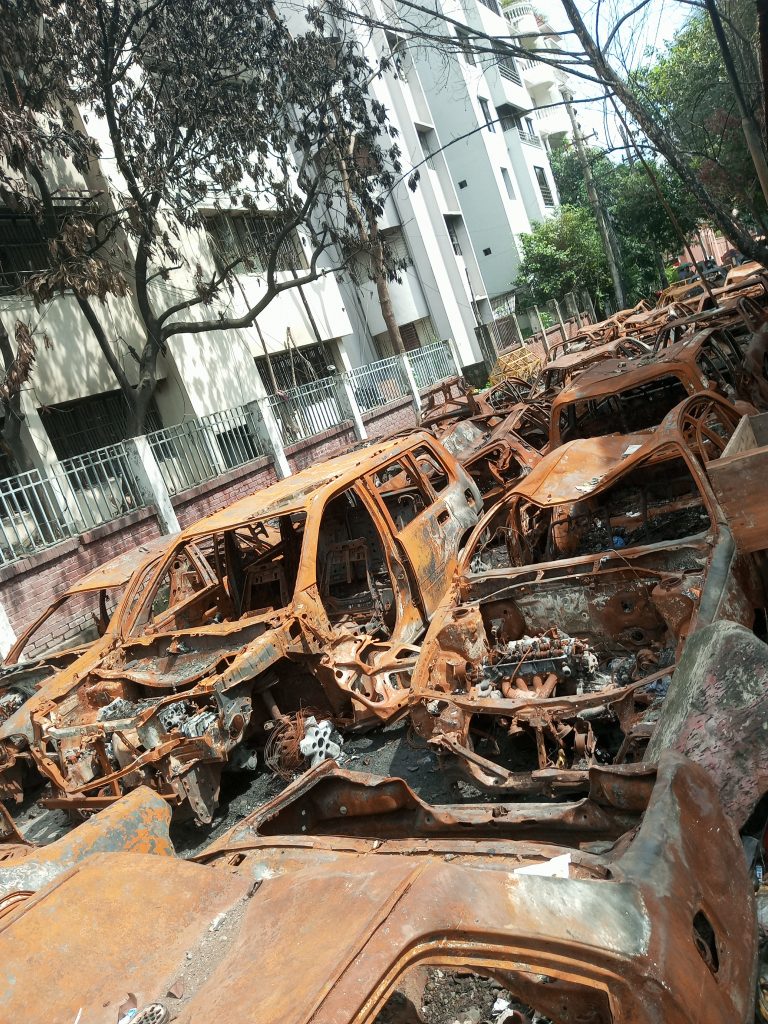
column 310, row 409
column 198, row 450
column 432, row 364
column 38, row 510
column 379, row 383
column 33, row 515
column 102, row 484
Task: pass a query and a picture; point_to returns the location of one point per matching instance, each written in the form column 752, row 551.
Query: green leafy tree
column 688, row 86
column 645, row 233
column 564, row 253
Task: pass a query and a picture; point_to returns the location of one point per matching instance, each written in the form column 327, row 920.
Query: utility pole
column 597, row 206
column 748, row 123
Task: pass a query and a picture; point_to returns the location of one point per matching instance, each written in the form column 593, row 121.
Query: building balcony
column 509, row 124
column 553, row 121
column 537, row 74
column 522, row 17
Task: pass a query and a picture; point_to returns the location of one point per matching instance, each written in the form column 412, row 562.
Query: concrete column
column 357, row 417
column 7, row 635
column 453, row 348
column 269, row 431
column 152, row 487
column 415, row 395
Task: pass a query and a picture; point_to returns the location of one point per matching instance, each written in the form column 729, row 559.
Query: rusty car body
column 630, row 905
column 311, row 594
column 558, row 373
column 626, row 396
column 79, row 624
column 573, row 600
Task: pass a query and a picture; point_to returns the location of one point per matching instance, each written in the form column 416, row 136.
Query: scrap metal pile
column 560, row 585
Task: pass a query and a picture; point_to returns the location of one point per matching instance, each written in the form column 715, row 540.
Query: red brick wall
column 209, row 497
column 28, row 586
column 390, row 419
column 323, row 446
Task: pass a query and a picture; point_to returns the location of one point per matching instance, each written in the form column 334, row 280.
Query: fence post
column 263, row 417
column 590, row 306
column 7, row 634
column 415, row 393
column 357, row 417
column 543, row 330
column 150, row 481
column 572, row 305
column 563, row 331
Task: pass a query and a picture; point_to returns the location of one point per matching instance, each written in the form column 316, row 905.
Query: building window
column 85, row 424
column 399, row 52
column 452, row 222
column 484, row 106
column 546, row 191
column 251, row 237
column 297, row 366
column 506, row 178
column 465, row 42
column 394, row 240
column 428, row 142
column 508, row 70
column 491, row 5
column 23, row 252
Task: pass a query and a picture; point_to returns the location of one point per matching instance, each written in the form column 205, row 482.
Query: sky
column 649, row 30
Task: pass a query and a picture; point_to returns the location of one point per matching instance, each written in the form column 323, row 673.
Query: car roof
column 118, row 570
column 296, row 492
column 581, row 467
column 610, row 375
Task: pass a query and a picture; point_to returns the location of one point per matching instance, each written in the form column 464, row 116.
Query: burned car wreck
column 624, row 906
column 311, row 595
column 573, row 602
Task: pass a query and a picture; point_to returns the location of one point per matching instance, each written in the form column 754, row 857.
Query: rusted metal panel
column 640, row 926
column 717, row 714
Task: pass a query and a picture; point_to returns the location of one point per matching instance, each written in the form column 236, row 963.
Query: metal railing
column 102, row 484
column 379, row 383
column 198, row 450
column 492, row 5
column 519, row 10
column 33, row 515
column 310, row 409
column 432, row 364
column 529, row 138
column 508, row 70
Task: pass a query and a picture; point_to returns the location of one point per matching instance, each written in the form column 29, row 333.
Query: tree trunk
column 662, row 268
column 139, row 407
column 382, row 289
column 370, row 236
column 13, row 417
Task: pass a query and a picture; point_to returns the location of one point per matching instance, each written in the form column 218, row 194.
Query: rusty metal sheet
column 716, row 713
column 650, row 926
column 118, row 570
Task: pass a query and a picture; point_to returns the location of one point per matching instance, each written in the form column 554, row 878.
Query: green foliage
column 688, row 90
column 562, row 254
column 643, row 229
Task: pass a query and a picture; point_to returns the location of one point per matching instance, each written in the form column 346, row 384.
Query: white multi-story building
column 531, row 28
column 467, row 123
